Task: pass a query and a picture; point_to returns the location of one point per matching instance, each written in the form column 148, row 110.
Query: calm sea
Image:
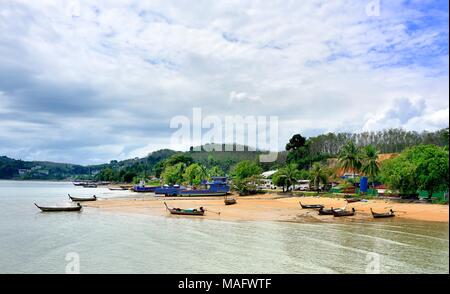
column 106, row 242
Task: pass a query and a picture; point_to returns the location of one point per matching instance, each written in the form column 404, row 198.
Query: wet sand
column 270, row 207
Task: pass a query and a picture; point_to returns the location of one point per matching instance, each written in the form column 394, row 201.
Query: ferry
column 217, row 187
column 144, row 189
column 169, row 190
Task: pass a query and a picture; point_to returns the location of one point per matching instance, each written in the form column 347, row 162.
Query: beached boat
column 144, row 189
column 56, row 208
column 78, row 183
column 351, row 199
column 117, row 188
column 190, row 211
column 311, row 206
column 338, row 213
column 218, row 187
column 230, row 201
column 90, row 185
column 167, row 190
column 323, row 211
column 93, row 198
column 390, row 213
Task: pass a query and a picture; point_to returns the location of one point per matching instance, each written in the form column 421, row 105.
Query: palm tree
column 370, row 165
column 318, row 174
column 350, row 158
column 290, row 173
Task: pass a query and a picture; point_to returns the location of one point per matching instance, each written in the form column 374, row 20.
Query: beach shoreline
column 270, row 207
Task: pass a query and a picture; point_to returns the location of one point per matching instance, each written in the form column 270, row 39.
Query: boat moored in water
column 56, row 208
column 93, row 198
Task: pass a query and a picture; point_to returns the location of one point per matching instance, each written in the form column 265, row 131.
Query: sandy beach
column 271, row 207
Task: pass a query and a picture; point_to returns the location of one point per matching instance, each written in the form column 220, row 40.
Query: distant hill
column 40, row 170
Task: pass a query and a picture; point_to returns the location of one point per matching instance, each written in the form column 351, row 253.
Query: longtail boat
column 351, row 199
column 54, row 208
column 390, row 213
column 338, row 213
column 89, row 186
column 117, row 188
column 93, row 198
column 311, row 206
column 230, row 201
column 179, row 211
column 323, row 211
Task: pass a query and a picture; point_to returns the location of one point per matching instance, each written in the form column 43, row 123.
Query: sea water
column 110, row 242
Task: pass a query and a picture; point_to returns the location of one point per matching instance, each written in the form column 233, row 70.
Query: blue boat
column 169, row 190
column 143, row 189
column 218, row 187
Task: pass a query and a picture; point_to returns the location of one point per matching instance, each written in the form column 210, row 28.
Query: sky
column 91, row 81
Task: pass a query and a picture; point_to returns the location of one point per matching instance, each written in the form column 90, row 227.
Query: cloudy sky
column 90, row 81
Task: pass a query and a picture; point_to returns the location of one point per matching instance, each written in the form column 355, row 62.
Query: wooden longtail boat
column 338, row 213
column 323, row 211
column 90, row 186
column 311, row 206
column 179, row 211
column 117, row 189
column 352, row 200
column 230, row 201
column 93, row 198
column 53, row 208
column 390, row 213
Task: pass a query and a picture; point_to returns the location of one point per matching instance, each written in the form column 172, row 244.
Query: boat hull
column 77, row 199
column 58, row 209
column 311, row 206
column 144, row 189
column 200, row 193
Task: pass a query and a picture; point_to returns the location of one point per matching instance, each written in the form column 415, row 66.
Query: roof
column 268, row 173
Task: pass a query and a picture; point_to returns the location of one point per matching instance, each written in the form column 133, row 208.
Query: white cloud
column 243, row 96
column 122, row 69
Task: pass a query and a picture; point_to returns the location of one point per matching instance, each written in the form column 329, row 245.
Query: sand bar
column 271, row 207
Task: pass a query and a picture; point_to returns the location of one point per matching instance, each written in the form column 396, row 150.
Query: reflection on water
column 35, row 242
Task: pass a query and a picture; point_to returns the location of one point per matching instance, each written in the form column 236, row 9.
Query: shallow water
column 106, row 242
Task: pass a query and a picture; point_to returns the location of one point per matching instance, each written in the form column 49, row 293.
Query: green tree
column 318, row 175
column 370, row 165
column 246, row 169
column 178, row 158
column 280, row 180
column 424, row 167
column 173, row 174
column 246, row 177
column 350, row 158
column 296, row 142
column 290, row 173
column 216, row 171
column 195, row 173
